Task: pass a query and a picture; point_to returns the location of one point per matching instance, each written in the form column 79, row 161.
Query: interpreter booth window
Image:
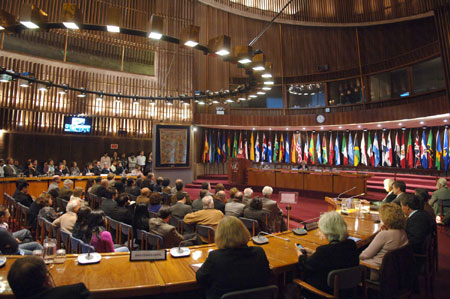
column 345, row 92
column 272, row 98
column 390, row 85
column 428, row 75
column 306, row 95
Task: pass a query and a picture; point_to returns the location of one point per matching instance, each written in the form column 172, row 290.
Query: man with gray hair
column 66, row 190
column 56, row 179
column 208, row 216
column 236, row 207
column 442, row 193
column 219, row 201
column 67, row 220
column 276, row 221
column 248, row 193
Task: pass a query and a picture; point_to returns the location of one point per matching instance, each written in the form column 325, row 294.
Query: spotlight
column 42, row 87
column 72, row 16
column 31, row 16
column 190, row 36
column 155, row 27
column 220, row 45
column 113, row 19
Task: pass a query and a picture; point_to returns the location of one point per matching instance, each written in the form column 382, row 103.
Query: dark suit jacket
column 389, row 198
column 197, row 204
column 23, row 198
column 398, row 198
column 122, row 214
column 65, row 193
column 333, row 256
column 108, row 206
column 180, row 210
column 227, row 270
column 100, row 191
column 8, row 169
column 75, row 291
column 418, row 227
column 219, row 205
column 259, row 215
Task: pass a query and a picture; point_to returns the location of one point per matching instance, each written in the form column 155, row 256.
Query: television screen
column 77, row 125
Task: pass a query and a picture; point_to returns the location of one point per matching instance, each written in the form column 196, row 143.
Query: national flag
column 423, row 152
column 257, row 148
column 331, row 149
column 245, row 150
column 337, row 152
column 218, row 148
column 306, row 149
column 210, row 150
column 363, row 151
column 287, row 154
column 351, row 154
column 383, row 150
column 389, row 156
column 235, row 146
column 298, row 148
column 445, row 150
column 438, row 151
column 370, row 156
column 410, row 152
column 344, row 149
column 252, row 148
column 403, row 151
column 311, row 149
column 430, row 149
column 293, row 151
column 241, row 145
column 269, row 150
column 224, row 148
column 397, row 151
column 282, row 150
column 229, row 149
column 318, row 150
column 417, row 149
column 264, row 151
column 275, row 149
column 376, row 151
column 357, row 158
column 324, row 150
column 205, row 157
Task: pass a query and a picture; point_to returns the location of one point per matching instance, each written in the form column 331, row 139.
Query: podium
column 237, row 169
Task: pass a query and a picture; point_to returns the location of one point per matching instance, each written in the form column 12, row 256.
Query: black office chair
column 268, row 292
column 207, row 232
column 251, row 224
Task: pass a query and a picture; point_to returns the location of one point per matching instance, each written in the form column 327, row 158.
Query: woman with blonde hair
column 392, row 236
column 234, row 265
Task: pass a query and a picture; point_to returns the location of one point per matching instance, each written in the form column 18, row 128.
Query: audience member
column 418, row 223
column 219, row 187
column 137, row 171
column 180, row 208
column 30, row 171
column 141, row 160
column 255, row 211
column 2, row 165
column 391, row 237
column 248, row 193
column 132, row 161
column 10, row 170
column 179, row 189
column 389, row 189
column 122, row 213
column 105, row 160
column 74, row 170
column 236, row 207
column 165, row 186
column 21, row 194
column 56, row 179
column 233, row 266
column 81, row 226
column 232, row 193
column 109, row 204
column 144, row 198
column 111, row 179
column 399, row 189
column 89, row 169
column 275, row 221
column 198, row 204
column 219, row 201
column 78, row 194
column 101, row 238
column 28, row 277
column 47, row 211
column 338, row 254
column 207, row 186
column 441, row 193
column 35, row 207
column 141, row 217
column 158, row 185
column 155, row 202
column 424, row 196
column 67, row 220
column 66, row 191
column 101, row 189
column 62, row 170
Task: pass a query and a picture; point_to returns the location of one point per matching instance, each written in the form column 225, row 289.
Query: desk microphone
column 88, row 258
column 181, row 251
column 260, row 240
column 339, row 196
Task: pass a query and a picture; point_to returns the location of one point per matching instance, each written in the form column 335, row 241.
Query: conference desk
column 116, row 276
column 327, row 182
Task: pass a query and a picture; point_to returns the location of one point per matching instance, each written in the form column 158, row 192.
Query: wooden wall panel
column 443, row 29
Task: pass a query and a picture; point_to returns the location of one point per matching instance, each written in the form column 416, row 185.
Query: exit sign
column 114, row 146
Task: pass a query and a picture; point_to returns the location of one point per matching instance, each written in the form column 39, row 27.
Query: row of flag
column 391, row 151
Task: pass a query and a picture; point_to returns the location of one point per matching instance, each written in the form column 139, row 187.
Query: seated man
column 248, row 193
column 219, row 201
column 29, row 278
column 10, row 170
column 111, row 179
column 144, row 198
column 62, row 170
column 179, row 189
column 56, row 179
column 236, row 207
column 101, row 190
column 180, row 208
column 109, row 203
column 399, row 189
column 161, row 227
column 66, row 190
column 19, row 242
column 276, row 221
column 208, row 216
column 418, row 223
column 30, row 171
column 67, row 220
column 255, row 211
column 441, row 193
column 198, row 204
column 122, row 212
column 21, row 193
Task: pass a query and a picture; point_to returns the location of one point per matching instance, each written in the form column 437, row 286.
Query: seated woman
column 141, row 216
column 47, row 211
column 101, row 238
column 234, row 266
column 340, row 253
column 255, row 211
column 81, row 227
column 392, row 236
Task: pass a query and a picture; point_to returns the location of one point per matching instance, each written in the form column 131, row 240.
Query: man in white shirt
column 141, row 160
column 2, row 164
column 105, row 160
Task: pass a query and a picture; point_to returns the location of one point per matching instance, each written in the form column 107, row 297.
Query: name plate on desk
column 148, row 255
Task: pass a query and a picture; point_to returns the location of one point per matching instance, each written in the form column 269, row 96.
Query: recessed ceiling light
column 71, row 25
column 244, row 61
column 259, row 68
column 266, row 88
column 359, row 126
column 190, row 43
column 266, row 75
column 304, row 128
column 112, row 28
column 223, row 52
column 445, row 120
column 268, row 82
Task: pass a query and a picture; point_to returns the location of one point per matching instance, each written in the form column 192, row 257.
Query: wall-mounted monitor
column 77, row 125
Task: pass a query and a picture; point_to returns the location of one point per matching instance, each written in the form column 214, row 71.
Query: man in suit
column 109, row 204
column 29, row 278
column 236, row 207
column 198, row 204
column 66, row 190
column 441, row 193
column 10, row 169
column 21, row 194
column 418, row 223
column 101, row 190
column 219, row 201
column 248, row 193
column 399, row 189
column 179, row 189
column 276, row 222
column 122, row 213
column 180, row 208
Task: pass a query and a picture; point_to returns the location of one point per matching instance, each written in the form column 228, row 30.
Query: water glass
column 49, row 250
column 60, row 257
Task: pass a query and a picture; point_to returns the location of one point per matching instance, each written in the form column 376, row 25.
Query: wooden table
column 116, row 276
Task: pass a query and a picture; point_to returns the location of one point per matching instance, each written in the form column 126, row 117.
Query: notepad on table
column 195, row 267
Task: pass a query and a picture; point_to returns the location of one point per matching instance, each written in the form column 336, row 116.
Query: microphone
column 260, row 240
column 181, row 251
column 353, row 188
column 88, row 258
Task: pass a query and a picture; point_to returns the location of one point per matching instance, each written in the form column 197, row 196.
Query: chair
column 23, row 214
column 91, row 199
column 85, row 248
column 127, row 230
column 268, row 292
column 156, row 241
column 443, row 203
column 75, row 244
column 251, row 224
column 140, row 238
column 113, row 227
column 50, row 230
column 425, row 264
column 64, row 238
column 338, row 280
column 62, row 204
column 206, row 232
column 9, row 202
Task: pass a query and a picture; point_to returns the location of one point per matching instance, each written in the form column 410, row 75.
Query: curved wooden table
column 116, row 276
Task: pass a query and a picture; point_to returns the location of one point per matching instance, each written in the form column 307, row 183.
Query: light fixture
column 113, row 15
column 266, row 88
column 340, row 127
column 270, row 129
column 155, row 27
column 321, row 128
column 268, row 82
column 72, row 16
column 63, row 91
column 220, row 45
column 190, row 36
column 243, row 54
column 24, row 83
column 379, row 125
column 201, row 102
column 31, row 16
column 242, row 99
column 261, row 92
column 99, row 98
column 169, row 102
column 229, row 100
column 2, row 28
column 304, row 129
column 82, row 94
column 422, row 122
column 266, row 75
column 445, row 120
column 117, row 99
column 5, row 78
column 215, row 101
column 253, row 96
column 359, row 126
column 244, row 60
column 400, row 124
column 258, row 62
column 42, row 87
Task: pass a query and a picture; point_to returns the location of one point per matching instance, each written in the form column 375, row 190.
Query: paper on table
column 195, row 267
